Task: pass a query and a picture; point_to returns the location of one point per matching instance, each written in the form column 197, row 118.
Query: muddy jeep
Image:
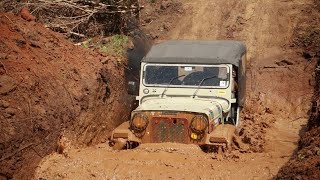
column 190, row 92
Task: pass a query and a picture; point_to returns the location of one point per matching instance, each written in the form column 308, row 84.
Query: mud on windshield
column 208, row 76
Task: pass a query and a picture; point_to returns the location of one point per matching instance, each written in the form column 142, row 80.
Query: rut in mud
column 279, row 95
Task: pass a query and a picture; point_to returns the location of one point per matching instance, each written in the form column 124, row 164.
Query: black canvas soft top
column 197, row 52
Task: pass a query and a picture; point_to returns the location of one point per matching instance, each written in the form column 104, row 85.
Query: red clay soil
column 160, row 16
column 51, row 90
column 305, row 162
column 279, row 94
column 54, row 88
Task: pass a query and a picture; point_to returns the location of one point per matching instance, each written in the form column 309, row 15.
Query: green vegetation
column 116, row 45
column 86, row 44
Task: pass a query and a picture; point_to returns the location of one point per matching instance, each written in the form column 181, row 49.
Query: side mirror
column 133, row 88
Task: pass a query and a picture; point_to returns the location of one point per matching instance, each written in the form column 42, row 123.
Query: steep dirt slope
column 305, row 162
column 159, row 17
column 279, row 94
column 51, row 89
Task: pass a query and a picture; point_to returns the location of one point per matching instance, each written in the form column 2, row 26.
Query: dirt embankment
column 159, row 17
column 305, row 162
column 51, row 89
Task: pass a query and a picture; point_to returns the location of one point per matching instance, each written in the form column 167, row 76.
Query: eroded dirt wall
column 50, row 88
column 305, row 162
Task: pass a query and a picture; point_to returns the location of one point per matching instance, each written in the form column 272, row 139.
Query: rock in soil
column 4, row 104
column 7, row 84
column 25, row 14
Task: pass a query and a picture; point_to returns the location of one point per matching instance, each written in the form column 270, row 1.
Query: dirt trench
column 279, row 95
column 305, row 162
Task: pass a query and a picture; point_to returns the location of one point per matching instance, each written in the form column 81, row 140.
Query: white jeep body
column 189, row 92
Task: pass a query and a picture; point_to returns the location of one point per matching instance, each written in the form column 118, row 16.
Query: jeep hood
column 212, row 107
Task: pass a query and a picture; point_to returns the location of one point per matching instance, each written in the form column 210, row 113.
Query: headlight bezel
column 204, row 123
column 134, row 126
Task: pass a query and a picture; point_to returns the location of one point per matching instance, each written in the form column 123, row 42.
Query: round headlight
column 139, row 122
column 199, row 124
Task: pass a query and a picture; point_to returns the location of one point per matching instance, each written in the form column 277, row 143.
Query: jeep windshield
column 189, row 75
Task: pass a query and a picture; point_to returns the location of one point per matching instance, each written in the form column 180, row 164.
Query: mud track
column 278, row 100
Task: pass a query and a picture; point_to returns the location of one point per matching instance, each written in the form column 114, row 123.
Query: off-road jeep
column 190, row 92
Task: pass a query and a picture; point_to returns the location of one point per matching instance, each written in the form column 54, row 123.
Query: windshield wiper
column 171, row 80
column 195, row 93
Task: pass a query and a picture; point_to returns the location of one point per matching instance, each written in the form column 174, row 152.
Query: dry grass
column 82, row 18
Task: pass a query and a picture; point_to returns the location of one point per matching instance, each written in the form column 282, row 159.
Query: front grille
column 169, row 130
